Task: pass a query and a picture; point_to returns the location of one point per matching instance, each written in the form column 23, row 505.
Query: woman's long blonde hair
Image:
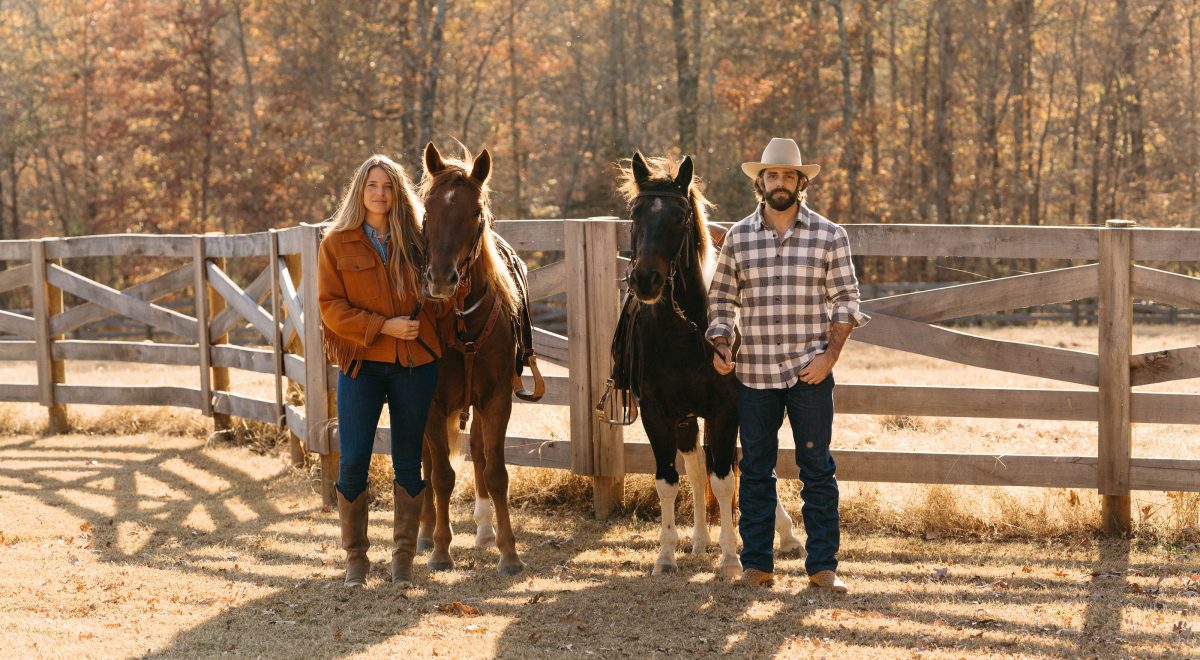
column 404, row 220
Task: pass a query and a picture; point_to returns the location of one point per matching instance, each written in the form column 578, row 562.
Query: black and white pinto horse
column 671, row 363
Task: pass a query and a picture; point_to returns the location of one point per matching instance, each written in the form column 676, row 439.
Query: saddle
column 619, row 403
column 522, row 326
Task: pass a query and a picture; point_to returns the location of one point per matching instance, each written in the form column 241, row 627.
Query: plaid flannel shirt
column 782, row 295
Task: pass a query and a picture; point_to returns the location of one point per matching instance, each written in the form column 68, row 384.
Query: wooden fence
column 276, row 301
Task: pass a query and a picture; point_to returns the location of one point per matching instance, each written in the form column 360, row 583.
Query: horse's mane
column 494, row 265
column 664, row 169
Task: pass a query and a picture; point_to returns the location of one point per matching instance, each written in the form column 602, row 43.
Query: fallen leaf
column 1026, row 569
column 86, row 528
column 571, row 623
column 337, row 633
column 458, row 609
column 476, row 628
column 1060, row 573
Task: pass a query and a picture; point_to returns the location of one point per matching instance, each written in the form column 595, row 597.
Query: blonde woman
column 386, row 344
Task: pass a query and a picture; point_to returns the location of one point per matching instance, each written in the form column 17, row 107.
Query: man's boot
column 354, row 537
column 404, row 534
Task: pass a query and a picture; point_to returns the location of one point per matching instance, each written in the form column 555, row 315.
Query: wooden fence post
column 316, row 389
column 608, row 482
column 47, row 302
column 220, row 375
column 296, row 449
column 201, row 290
column 583, row 458
column 1115, row 321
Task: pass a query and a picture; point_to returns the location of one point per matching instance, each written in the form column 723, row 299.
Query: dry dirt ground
column 166, row 546
column 140, row 537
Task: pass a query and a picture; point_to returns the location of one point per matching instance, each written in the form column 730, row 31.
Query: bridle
column 463, row 267
column 683, row 255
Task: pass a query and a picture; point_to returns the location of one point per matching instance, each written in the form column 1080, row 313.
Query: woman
column 386, row 345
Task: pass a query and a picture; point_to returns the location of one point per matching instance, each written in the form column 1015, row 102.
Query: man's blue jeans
column 810, row 410
column 408, row 391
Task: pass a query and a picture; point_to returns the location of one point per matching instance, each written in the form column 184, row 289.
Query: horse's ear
column 641, row 171
column 686, row 170
column 482, row 166
column 433, row 159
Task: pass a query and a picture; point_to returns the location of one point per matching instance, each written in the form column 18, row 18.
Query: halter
column 687, row 245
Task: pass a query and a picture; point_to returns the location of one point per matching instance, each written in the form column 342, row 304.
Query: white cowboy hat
column 782, row 152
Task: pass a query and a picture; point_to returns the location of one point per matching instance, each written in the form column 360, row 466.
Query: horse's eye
column 478, row 212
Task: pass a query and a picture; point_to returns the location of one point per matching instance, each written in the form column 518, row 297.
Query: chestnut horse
column 463, row 262
column 671, row 363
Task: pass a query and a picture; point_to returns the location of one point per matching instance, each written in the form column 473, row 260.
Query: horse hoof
column 698, row 550
column 441, row 565
column 510, row 569
column 730, row 572
column 664, row 569
column 792, row 551
column 424, row 544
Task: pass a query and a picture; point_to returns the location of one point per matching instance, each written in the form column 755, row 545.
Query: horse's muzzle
column 646, row 284
column 441, row 288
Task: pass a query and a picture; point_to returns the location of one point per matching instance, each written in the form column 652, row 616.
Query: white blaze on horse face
column 449, row 196
column 656, row 205
column 668, row 536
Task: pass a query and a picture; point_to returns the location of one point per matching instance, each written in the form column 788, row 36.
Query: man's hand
column 401, row 327
column 723, row 359
column 818, row 368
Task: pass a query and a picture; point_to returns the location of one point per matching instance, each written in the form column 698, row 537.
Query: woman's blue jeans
column 810, row 410
column 408, row 391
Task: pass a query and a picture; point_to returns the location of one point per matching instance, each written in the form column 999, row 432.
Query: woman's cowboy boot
column 404, row 534
column 354, row 537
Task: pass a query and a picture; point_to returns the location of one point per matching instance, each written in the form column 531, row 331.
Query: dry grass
column 144, row 534
column 166, row 546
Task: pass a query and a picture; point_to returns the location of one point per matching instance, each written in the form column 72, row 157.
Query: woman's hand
column 401, row 327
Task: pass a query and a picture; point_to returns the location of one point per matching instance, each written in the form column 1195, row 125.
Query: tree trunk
column 514, row 109
column 432, row 73
column 1194, row 123
column 812, row 84
column 251, row 96
column 943, row 137
column 687, row 74
column 1077, row 122
column 851, row 148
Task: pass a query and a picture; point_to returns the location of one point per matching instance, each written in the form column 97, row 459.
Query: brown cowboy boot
column 354, row 537
column 404, row 533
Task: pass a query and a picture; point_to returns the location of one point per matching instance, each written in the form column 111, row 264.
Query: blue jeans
column 408, row 391
column 810, row 410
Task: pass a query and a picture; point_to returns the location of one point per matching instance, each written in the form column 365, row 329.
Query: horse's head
column 664, row 225
column 456, row 217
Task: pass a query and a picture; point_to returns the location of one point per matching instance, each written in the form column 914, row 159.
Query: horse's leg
column 485, row 534
column 687, row 439
column 425, row 532
column 720, row 434
column 442, row 485
column 495, row 427
column 788, row 543
column 666, row 484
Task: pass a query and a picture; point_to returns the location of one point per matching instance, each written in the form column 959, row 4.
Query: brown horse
column 463, row 263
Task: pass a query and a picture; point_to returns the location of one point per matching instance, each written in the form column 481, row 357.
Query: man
column 785, row 280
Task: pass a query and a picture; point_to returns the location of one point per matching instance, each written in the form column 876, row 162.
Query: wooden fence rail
column 274, row 307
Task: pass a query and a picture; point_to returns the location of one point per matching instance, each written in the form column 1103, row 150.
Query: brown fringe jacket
column 357, row 295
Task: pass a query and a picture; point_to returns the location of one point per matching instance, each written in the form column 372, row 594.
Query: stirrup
column 617, row 406
column 539, row 383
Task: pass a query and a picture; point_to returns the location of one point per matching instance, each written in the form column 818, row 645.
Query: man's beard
column 780, row 203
